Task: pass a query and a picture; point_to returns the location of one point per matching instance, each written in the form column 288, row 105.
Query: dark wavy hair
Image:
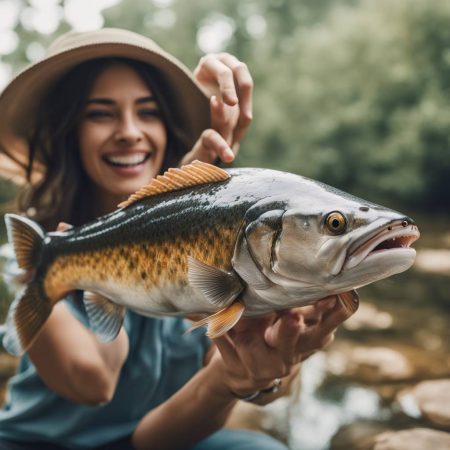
column 64, row 193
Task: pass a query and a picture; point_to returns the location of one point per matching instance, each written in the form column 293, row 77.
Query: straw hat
column 20, row 100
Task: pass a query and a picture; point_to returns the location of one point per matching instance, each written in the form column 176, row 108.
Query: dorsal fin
column 174, row 179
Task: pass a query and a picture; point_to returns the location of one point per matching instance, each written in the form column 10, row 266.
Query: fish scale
column 163, row 260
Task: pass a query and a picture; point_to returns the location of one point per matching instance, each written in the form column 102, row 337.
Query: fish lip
column 397, row 235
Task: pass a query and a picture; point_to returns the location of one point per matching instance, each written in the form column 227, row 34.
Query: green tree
column 363, row 101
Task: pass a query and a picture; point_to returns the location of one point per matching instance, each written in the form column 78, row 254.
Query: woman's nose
column 128, row 130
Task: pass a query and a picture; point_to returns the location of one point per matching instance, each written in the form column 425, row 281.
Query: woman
column 99, row 117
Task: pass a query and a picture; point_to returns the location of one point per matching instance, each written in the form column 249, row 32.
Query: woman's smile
column 127, row 160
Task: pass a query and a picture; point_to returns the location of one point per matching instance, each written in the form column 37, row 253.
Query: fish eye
column 336, row 222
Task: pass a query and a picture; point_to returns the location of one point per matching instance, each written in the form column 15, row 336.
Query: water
column 405, row 318
column 316, row 418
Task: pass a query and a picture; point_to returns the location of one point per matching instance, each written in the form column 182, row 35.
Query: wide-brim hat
column 20, row 100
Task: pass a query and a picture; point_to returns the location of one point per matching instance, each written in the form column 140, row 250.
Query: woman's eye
column 149, row 113
column 98, row 114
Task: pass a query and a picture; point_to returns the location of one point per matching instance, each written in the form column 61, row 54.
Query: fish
column 202, row 240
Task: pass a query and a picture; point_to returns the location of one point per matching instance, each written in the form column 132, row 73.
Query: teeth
column 127, row 160
column 405, row 240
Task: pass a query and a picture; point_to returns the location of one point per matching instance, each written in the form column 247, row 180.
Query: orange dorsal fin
column 174, row 179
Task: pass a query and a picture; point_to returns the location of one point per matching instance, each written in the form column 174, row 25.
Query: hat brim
column 20, row 101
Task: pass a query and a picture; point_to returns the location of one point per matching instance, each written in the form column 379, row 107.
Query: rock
column 413, row 439
column 370, row 364
column 368, row 317
column 387, row 362
column 432, row 399
column 358, row 435
column 433, row 261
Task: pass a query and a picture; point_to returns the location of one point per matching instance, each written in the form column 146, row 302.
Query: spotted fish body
column 138, row 255
column 204, row 240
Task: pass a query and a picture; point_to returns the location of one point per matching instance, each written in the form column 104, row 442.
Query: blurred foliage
column 354, row 93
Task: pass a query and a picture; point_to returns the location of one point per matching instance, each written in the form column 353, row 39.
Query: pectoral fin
column 222, row 321
column 350, row 300
column 219, row 287
column 105, row 317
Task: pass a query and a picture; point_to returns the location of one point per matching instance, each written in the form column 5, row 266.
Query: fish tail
column 26, row 316
column 27, row 239
column 29, row 311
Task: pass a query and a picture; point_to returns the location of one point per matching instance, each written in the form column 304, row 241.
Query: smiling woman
column 106, row 112
column 136, row 124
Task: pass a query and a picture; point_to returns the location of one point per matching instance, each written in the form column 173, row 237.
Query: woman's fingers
column 229, row 79
column 210, row 146
column 224, row 118
column 340, row 313
column 218, row 78
column 284, row 334
column 301, row 331
column 244, row 88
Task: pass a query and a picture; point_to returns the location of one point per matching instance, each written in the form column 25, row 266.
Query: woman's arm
column 248, row 359
column 73, row 363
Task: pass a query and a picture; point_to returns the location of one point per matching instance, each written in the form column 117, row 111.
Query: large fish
column 203, row 240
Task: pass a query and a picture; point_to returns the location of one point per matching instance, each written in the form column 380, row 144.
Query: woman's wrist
column 217, row 380
column 275, row 387
column 232, row 387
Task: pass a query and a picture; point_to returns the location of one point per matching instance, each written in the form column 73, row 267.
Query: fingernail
column 228, row 154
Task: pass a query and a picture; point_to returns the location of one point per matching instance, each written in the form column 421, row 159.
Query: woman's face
column 122, row 137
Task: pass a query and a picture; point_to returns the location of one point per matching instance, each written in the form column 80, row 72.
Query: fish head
column 331, row 249
column 347, row 247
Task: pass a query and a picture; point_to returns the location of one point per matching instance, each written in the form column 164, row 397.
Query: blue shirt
column 161, row 359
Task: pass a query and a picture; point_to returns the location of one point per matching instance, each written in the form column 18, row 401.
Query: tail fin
column 26, row 237
column 29, row 311
column 26, row 316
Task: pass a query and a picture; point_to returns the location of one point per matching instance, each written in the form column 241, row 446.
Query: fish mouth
column 396, row 236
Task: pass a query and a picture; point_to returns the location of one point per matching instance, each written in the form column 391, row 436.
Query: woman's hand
column 230, row 86
column 259, row 350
